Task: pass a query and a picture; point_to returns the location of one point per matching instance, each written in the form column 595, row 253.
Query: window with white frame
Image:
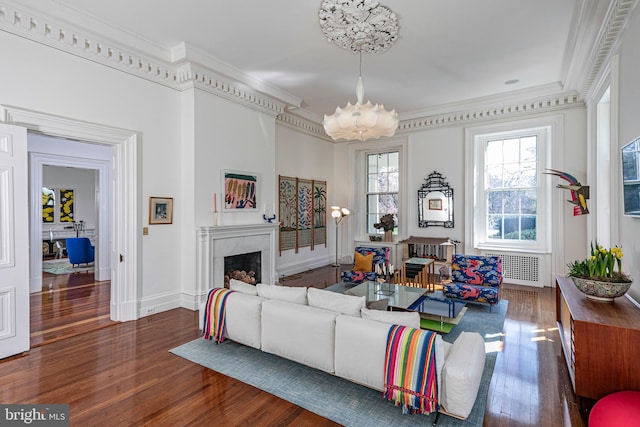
column 382, row 170
column 509, row 192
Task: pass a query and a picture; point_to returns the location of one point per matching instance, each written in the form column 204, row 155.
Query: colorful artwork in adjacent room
column 48, row 205
column 302, row 213
column 240, row 190
column 67, row 199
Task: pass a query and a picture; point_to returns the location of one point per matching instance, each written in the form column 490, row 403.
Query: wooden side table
column 420, row 271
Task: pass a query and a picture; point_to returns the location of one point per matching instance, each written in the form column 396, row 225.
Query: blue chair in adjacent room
column 80, row 250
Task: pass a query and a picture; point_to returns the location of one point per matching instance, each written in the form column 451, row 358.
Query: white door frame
column 125, row 207
column 103, row 237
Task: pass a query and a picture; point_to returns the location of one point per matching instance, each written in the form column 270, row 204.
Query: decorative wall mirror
column 435, row 202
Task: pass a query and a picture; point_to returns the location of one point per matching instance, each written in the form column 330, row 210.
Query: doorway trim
column 125, row 207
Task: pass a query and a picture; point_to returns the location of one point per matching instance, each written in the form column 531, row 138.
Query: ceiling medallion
column 359, row 25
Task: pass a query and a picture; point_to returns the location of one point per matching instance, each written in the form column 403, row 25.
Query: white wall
column 304, row 156
column 629, row 110
column 50, row 81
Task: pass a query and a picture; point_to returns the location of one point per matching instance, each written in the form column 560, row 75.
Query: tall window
column 507, row 189
column 511, row 180
column 383, row 186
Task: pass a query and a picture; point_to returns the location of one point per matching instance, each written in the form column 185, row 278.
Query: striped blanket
column 410, row 370
column 214, row 314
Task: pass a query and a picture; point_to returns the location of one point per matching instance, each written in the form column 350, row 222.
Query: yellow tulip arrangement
column 601, row 265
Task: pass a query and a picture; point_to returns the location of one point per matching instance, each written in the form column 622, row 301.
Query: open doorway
column 69, row 296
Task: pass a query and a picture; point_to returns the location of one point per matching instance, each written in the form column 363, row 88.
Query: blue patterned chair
column 359, row 275
column 475, row 278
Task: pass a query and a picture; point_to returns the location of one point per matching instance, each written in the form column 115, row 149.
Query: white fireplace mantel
column 217, row 242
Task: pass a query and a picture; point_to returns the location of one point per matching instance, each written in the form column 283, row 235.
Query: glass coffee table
column 437, row 312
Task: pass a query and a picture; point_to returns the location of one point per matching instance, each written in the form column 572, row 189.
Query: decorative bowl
column 601, row 291
column 375, row 237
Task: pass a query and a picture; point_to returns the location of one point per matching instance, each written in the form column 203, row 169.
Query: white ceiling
column 447, row 52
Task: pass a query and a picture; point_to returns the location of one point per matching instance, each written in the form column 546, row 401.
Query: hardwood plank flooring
column 124, row 374
column 68, row 305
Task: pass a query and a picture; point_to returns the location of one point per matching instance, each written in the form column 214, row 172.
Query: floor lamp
column 338, row 214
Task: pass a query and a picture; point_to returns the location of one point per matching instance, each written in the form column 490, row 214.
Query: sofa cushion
column 361, row 346
column 240, row 286
column 340, row 303
column 283, row 293
column 462, row 373
column 362, row 262
column 299, row 332
column 405, row 318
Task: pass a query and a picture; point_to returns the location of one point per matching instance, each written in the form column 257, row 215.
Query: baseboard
column 300, row 267
column 159, row 303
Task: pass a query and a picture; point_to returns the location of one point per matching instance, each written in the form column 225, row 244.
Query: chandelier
column 359, row 26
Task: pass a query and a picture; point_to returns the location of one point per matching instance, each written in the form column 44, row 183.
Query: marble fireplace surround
column 215, row 243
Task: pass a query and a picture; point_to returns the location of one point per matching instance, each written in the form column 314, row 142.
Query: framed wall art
column 435, row 204
column 67, row 199
column 241, row 191
column 160, row 210
column 48, row 205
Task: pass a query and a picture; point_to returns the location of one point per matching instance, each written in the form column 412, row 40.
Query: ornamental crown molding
column 607, row 43
column 179, row 75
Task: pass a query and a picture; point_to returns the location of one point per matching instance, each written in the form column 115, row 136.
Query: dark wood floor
column 124, row 375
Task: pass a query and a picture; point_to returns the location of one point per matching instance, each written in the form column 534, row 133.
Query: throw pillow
column 240, row 286
column 296, row 295
column 363, row 262
column 405, row 318
column 333, row 301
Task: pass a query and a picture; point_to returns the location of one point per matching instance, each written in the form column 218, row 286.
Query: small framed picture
column 435, row 204
column 241, row 190
column 160, row 210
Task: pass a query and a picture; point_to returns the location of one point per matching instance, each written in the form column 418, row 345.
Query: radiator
column 522, row 268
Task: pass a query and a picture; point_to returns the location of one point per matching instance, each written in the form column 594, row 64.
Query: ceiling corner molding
column 303, row 125
column 495, row 112
column 45, row 31
column 211, row 82
column 607, row 42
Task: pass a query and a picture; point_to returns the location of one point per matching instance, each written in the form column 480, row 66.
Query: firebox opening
column 244, row 267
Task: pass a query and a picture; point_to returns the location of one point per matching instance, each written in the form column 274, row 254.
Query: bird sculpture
column 579, row 192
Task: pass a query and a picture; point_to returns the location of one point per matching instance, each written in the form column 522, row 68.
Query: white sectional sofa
column 337, row 334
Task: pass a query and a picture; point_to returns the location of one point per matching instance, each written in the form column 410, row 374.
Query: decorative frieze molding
column 209, row 81
column 76, row 42
column 519, row 108
column 608, row 40
column 303, row 125
column 72, row 40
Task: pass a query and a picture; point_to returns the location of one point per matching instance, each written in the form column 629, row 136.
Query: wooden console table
column 600, row 341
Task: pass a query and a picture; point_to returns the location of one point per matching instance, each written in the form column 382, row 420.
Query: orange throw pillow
column 363, row 263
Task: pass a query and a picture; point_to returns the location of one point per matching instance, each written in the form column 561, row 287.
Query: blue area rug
column 62, row 266
column 335, row 398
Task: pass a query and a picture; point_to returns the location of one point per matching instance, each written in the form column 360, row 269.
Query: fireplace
column 245, row 267
column 219, row 242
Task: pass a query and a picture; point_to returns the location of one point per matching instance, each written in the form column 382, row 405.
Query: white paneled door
column 14, row 242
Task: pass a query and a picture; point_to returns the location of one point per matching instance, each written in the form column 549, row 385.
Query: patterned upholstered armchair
column 475, row 278
column 365, row 262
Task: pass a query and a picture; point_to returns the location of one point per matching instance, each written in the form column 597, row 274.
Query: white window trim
column 357, row 158
column 474, row 162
